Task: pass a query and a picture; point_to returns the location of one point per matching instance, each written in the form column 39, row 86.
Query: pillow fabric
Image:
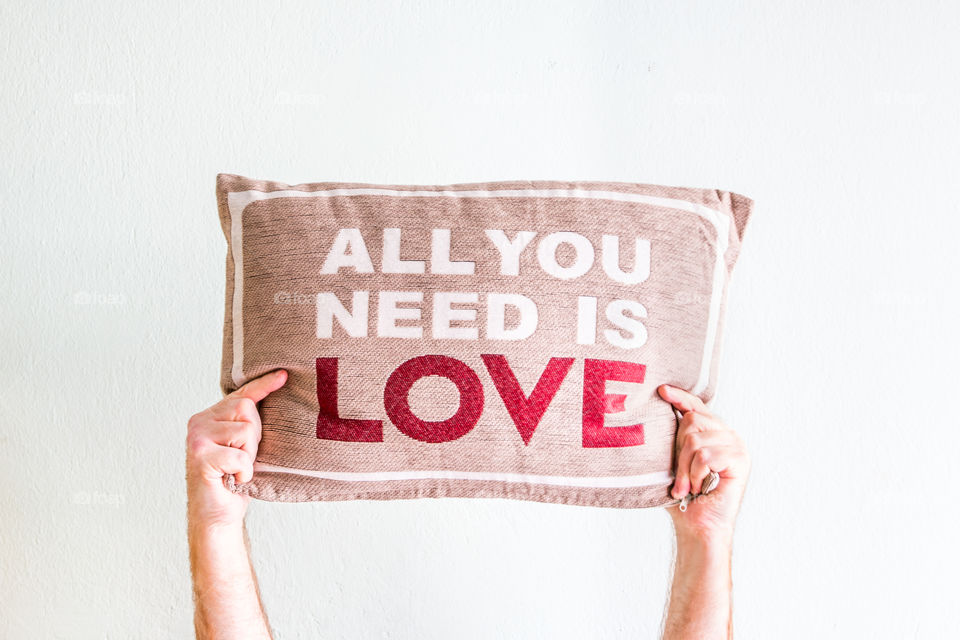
column 495, row 339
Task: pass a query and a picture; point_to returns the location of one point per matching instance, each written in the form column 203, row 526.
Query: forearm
column 700, row 597
column 226, row 598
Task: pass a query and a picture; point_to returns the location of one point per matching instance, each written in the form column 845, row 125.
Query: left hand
column 223, row 440
column 704, row 444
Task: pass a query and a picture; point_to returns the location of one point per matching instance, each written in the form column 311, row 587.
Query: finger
column 242, row 435
column 259, row 388
column 707, row 459
column 220, row 461
column 236, row 409
column 684, row 481
column 693, row 422
column 682, row 400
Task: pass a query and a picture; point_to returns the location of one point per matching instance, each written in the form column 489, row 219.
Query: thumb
column 682, row 400
column 259, row 388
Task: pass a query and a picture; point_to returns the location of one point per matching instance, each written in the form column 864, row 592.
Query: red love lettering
column 596, row 402
column 460, row 423
column 330, row 426
column 526, row 412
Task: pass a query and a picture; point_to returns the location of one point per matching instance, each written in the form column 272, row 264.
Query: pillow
column 493, row 339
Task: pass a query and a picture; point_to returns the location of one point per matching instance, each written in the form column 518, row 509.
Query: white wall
column 840, row 362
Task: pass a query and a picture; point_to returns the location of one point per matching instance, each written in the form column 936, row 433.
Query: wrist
column 709, row 559
column 217, row 551
column 202, row 530
column 704, row 539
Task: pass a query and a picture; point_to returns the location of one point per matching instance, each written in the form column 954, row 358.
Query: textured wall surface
column 840, row 360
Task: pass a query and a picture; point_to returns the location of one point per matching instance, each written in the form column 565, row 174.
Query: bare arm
column 701, row 603
column 226, row 598
column 700, row 597
column 223, row 440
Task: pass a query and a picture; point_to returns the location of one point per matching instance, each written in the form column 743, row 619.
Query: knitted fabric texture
column 495, row 339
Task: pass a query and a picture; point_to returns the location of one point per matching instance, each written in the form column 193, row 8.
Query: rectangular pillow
column 495, row 339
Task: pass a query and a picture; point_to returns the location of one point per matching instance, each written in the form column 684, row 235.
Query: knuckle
column 227, row 460
column 701, row 456
column 711, row 423
column 197, row 446
column 238, row 455
column 699, row 420
column 246, row 407
column 242, row 459
column 251, row 428
column 196, row 421
column 199, row 429
column 687, row 430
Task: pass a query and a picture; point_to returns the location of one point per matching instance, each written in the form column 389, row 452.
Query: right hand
column 223, row 440
column 704, row 444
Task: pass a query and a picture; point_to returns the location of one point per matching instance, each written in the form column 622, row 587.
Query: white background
column 840, row 358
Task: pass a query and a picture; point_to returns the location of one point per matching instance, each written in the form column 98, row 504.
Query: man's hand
column 701, row 604
column 704, row 444
column 223, row 440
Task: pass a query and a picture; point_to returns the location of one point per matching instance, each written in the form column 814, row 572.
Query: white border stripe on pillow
column 598, row 482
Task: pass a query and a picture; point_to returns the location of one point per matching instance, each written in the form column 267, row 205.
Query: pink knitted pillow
column 498, row 339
